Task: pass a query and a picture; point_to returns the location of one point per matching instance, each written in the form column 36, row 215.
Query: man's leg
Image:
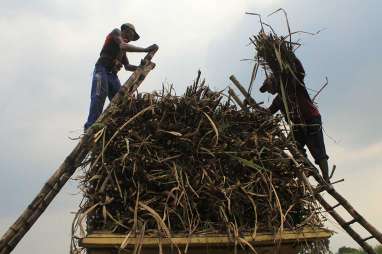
column 324, row 166
column 98, row 95
column 114, row 85
column 300, row 138
column 316, row 145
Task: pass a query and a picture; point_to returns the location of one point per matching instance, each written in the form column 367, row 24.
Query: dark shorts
column 311, row 135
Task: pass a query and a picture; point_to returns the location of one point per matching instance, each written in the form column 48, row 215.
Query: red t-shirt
column 300, row 106
column 111, row 51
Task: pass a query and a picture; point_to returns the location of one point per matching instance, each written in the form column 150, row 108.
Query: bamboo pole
column 29, row 216
column 343, row 224
column 350, row 209
column 345, row 204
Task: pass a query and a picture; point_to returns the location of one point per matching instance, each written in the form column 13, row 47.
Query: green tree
column 378, row 249
column 348, row 250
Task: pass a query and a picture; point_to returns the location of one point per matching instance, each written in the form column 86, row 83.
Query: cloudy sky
column 48, row 51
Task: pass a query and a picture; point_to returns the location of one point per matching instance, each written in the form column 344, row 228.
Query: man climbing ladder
column 105, row 81
column 303, row 115
column 50, row 189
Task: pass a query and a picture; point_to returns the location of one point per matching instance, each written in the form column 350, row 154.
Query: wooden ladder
column 356, row 216
column 323, row 186
column 55, row 183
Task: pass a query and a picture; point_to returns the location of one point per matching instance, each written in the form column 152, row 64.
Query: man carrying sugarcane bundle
column 105, row 81
column 300, row 111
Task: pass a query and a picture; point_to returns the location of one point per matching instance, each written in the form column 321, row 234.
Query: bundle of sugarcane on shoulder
column 196, row 164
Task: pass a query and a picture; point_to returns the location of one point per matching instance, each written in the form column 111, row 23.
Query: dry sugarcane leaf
column 177, row 134
column 214, row 127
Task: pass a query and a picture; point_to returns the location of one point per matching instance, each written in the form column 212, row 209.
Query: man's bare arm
column 131, row 48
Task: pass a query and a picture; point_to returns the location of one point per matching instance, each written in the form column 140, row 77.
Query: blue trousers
column 104, row 84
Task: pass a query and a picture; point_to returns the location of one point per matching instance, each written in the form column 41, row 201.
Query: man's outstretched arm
column 116, row 35
column 131, row 48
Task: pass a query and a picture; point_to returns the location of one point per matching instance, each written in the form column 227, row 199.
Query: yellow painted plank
column 307, row 234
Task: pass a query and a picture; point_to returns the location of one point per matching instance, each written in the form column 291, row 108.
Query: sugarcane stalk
column 29, row 216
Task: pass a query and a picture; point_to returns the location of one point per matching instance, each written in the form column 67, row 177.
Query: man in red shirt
column 299, row 110
column 105, row 81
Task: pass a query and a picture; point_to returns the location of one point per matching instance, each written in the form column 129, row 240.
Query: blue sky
column 49, row 49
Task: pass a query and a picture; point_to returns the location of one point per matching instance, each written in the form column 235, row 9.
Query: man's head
column 269, row 85
column 128, row 32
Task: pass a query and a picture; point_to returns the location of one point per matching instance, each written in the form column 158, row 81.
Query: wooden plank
column 283, row 249
column 102, row 240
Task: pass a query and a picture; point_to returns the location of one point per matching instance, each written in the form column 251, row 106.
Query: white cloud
column 362, row 155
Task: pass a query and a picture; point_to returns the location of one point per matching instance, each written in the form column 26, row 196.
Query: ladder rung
column 367, row 238
column 334, row 207
column 350, row 222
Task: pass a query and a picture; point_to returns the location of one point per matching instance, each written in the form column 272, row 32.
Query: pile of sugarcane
column 196, row 164
column 191, row 164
